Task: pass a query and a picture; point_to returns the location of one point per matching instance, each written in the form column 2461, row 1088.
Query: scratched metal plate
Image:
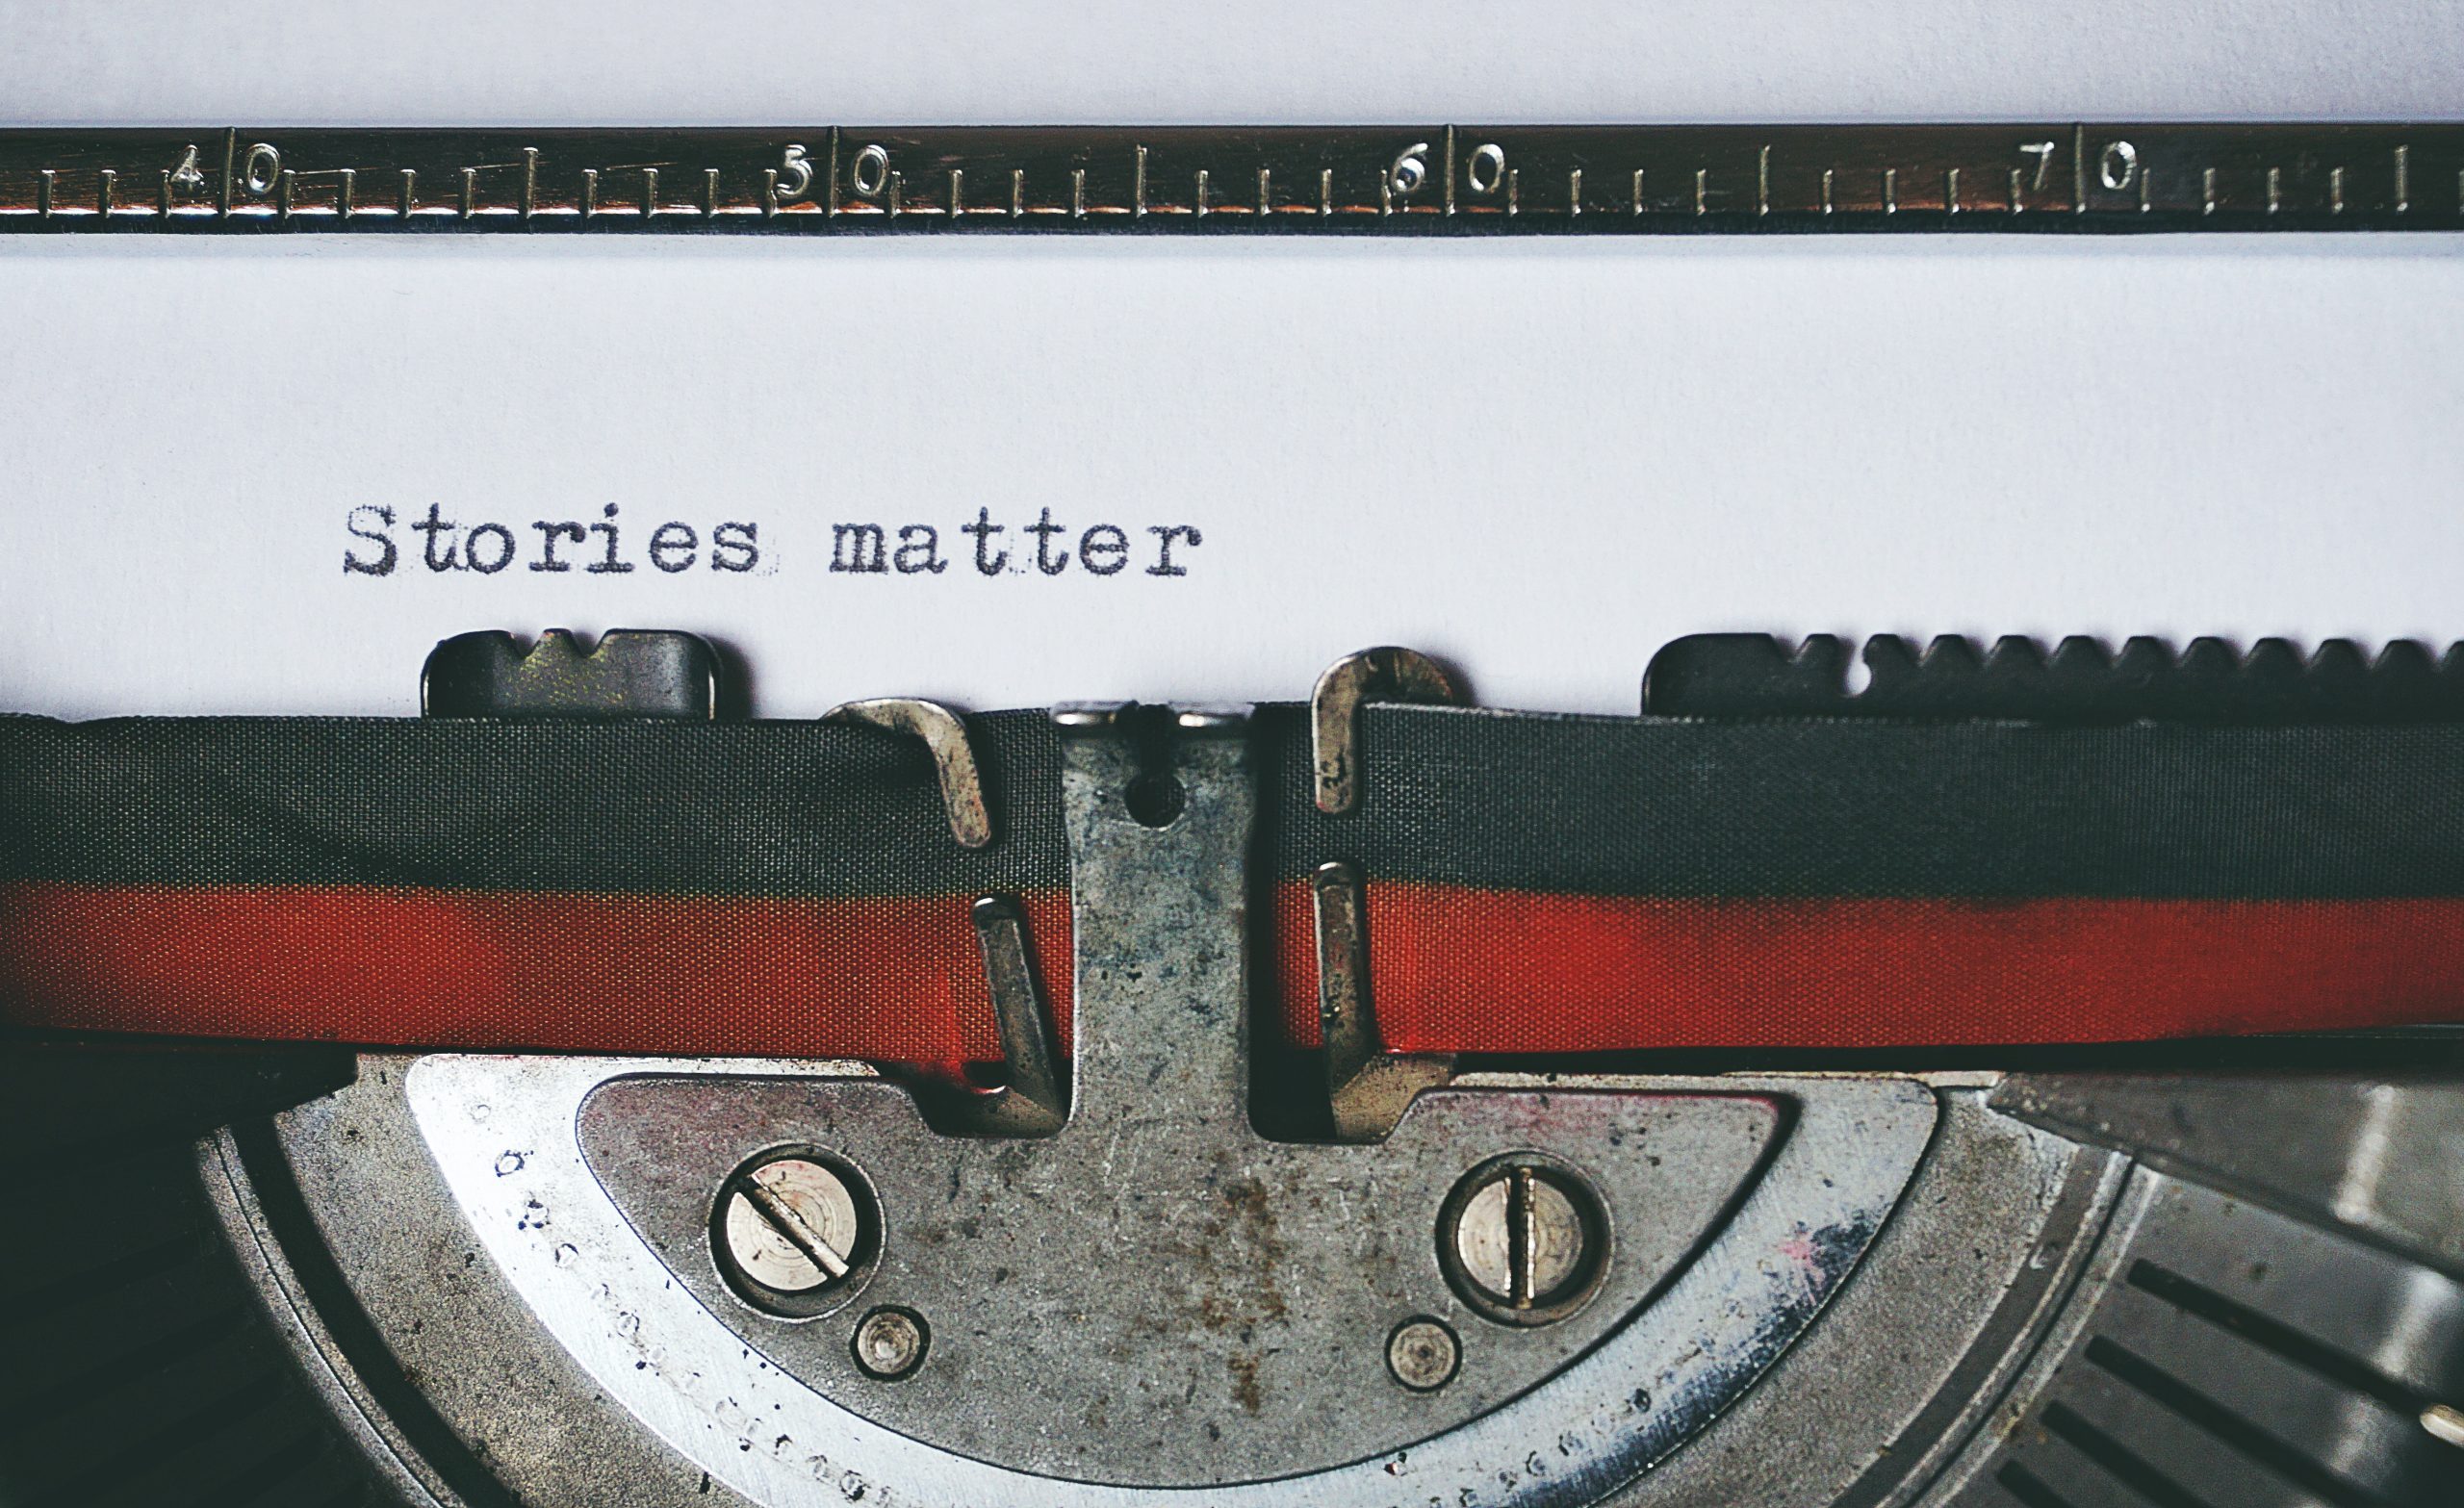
column 1183, row 1306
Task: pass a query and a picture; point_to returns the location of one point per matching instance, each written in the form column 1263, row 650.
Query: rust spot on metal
column 1245, row 1382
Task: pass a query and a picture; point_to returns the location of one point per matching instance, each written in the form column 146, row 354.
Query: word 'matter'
column 1099, row 550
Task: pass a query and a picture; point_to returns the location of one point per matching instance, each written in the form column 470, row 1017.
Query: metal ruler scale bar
column 1378, row 180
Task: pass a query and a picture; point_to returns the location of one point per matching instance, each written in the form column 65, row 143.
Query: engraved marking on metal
column 1890, row 191
column 470, row 203
column 346, row 193
column 1574, row 192
column 958, row 192
column 1138, row 183
column 1762, row 180
column 530, row 180
column 710, row 192
column 792, row 178
column 106, row 181
column 2403, row 180
column 2043, row 152
column 1325, row 191
column 285, row 186
column 1951, row 191
column 1266, row 199
column 869, row 175
column 2118, row 165
column 1197, row 195
column 2207, row 190
column 43, row 190
column 649, row 191
column 1486, row 170
column 1638, row 191
column 1702, row 190
column 2079, row 169
column 262, row 166
column 1405, row 174
column 589, row 193
column 2143, row 191
column 1826, row 190
column 1077, row 194
column 1450, row 169
column 2336, row 190
column 2015, row 201
column 1018, row 192
column 897, row 195
column 2275, row 190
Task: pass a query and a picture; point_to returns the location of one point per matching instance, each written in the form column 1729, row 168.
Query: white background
column 1540, row 459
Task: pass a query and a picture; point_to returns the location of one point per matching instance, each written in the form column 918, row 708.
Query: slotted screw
column 791, row 1225
column 1522, row 1238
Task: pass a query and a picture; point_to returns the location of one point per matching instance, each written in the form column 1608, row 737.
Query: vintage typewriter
column 2024, row 1080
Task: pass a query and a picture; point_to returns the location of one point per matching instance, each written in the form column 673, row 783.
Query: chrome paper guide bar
column 1376, row 180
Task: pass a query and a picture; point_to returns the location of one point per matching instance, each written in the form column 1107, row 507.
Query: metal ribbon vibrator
column 1372, row 1171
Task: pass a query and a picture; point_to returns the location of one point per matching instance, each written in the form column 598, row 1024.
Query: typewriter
column 2025, row 1080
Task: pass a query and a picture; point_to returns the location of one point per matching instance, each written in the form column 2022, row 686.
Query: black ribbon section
column 1816, row 807
column 653, row 807
column 1484, row 799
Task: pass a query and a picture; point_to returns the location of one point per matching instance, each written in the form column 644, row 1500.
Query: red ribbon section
column 1464, row 970
column 1452, row 969
column 887, row 978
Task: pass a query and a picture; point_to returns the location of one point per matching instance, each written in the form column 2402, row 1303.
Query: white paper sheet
column 1538, row 459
